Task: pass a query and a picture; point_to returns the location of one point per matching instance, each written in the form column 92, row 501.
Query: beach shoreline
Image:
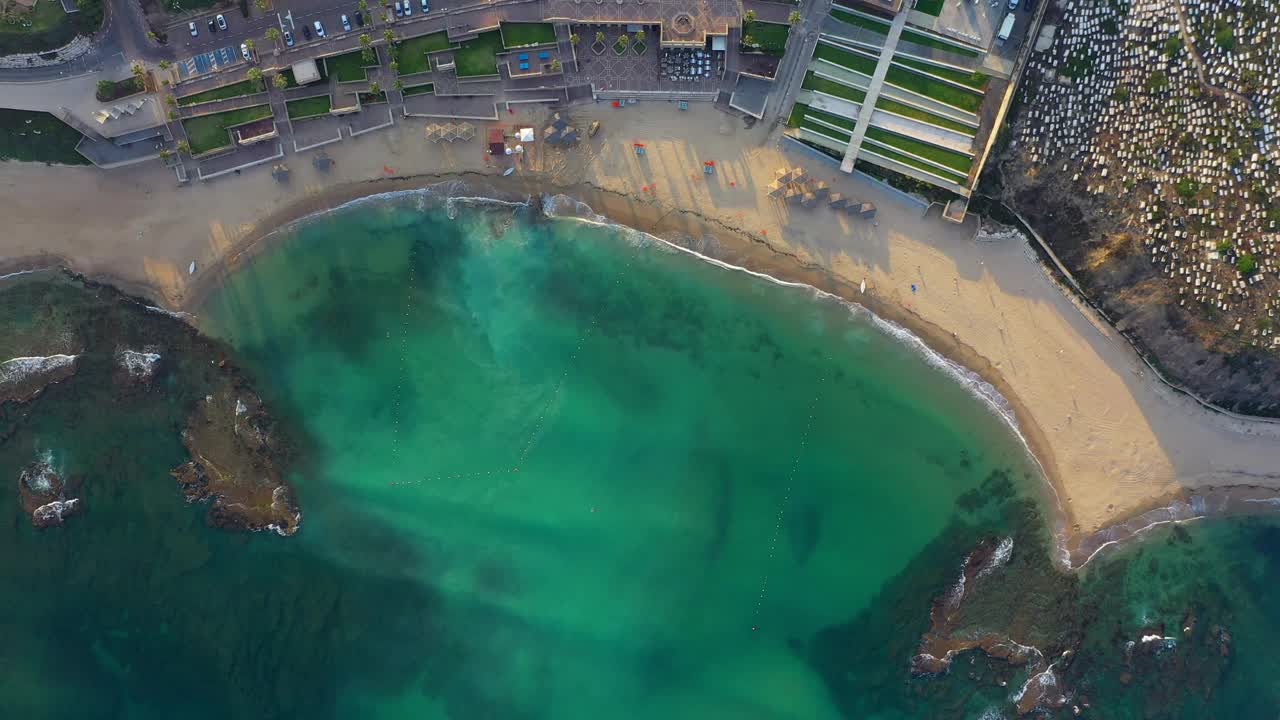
column 714, row 221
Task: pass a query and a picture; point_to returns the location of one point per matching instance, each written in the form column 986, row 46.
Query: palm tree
column 395, row 66
column 273, row 34
column 374, row 88
column 365, row 40
column 363, row 6
column 173, row 114
column 555, row 65
column 388, row 35
column 163, row 64
column 280, row 81
column 262, row 4
column 152, row 36
column 138, row 70
column 748, row 41
column 794, row 17
column 399, row 84
column 254, row 74
column 184, row 147
column 165, row 153
column 170, row 100
column 599, row 36
column 640, row 36
column 623, row 39
column 573, row 39
column 249, row 44
column 749, row 16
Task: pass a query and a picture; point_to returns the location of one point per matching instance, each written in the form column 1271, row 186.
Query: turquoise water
column 555, row 470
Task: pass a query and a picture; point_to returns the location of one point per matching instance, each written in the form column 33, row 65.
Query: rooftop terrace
column 684, row 22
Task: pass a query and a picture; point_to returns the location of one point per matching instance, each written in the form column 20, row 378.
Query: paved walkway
column 873, row 91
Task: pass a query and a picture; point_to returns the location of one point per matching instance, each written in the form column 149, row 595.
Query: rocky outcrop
column 43, row 495
column 23, row 378
column 235, row 463
column 134, row 367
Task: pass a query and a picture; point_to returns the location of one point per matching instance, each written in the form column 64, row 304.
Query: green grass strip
column 949, row 158
column 945, row 93
column 844, row 122
column 930, row 7
column 209, row 132
column 860, row 21
column 933, row 42
column 845, row 58
column 905, row 110
column 908, row 160
column 798, row 111
column 824, row 130
column 975, row 79
column 520, row 34
column 419, row 89
column 831, row 87
column 413, row 52
column 308, row 107
column 240, row 89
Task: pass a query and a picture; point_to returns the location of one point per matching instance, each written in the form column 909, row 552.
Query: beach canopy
column 525, row 135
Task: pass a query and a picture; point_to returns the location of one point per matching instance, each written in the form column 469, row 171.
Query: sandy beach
column 1115, row 442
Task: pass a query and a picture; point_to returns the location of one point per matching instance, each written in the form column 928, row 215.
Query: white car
column 222, row 22
column 346, row 24
column 244, row 50
column 425, row 9
column 288, row 38
column 399, row 9
column 408, row 8
column 192, row 27
column 319, row 28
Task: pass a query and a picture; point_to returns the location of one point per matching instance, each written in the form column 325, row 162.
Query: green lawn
column 813, row 82
column 908, row 160
column 373, row 98
column 38, row 137
column 769, row 38
column 413, row 52
column 934, row 42
column 798, row 111
column 518, row 34
column 933, row 88
column 975, row 79
column 244, row 87
column 845, row 58
column 479, row 56
column 419, row 89
column 930, row 7
column 209, row 132
column 843, row 137
column 347, row 67
column 308, row 107
column 47, row 27
column 894, row 106
column 860, row 21
column 949, row 158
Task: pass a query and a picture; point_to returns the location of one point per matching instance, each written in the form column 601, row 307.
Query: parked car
column 346, row 24
column 359, row 19
column 222, row 22
column 425, row 8
column 192, row 27
column 408, row 8
column 288, row 39
column 1013, row 4
column 213, row 27
column 244, row 50
column 399, row 9
column 306, row 31
column 319, row 29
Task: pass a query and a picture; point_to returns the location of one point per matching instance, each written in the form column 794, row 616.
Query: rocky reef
column 233, row 464
column 23, row 378
column 80, row 348
column 43, row 495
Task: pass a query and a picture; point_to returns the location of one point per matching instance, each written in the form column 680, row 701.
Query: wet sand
column 1114, row 441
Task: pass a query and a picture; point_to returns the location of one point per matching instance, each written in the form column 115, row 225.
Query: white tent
column 525, row 135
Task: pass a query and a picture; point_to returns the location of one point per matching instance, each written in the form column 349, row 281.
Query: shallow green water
column 553, row 471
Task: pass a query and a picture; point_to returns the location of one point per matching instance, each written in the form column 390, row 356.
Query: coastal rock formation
column 235, row 463
column 23, row 378
column 42, row 494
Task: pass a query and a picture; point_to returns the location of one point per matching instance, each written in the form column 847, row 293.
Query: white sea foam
column 991, row 713
column 19, row 273
column 161, row 311
column 1003, row 551
column 18, row 369
column 138, row 364
column 54, row 510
